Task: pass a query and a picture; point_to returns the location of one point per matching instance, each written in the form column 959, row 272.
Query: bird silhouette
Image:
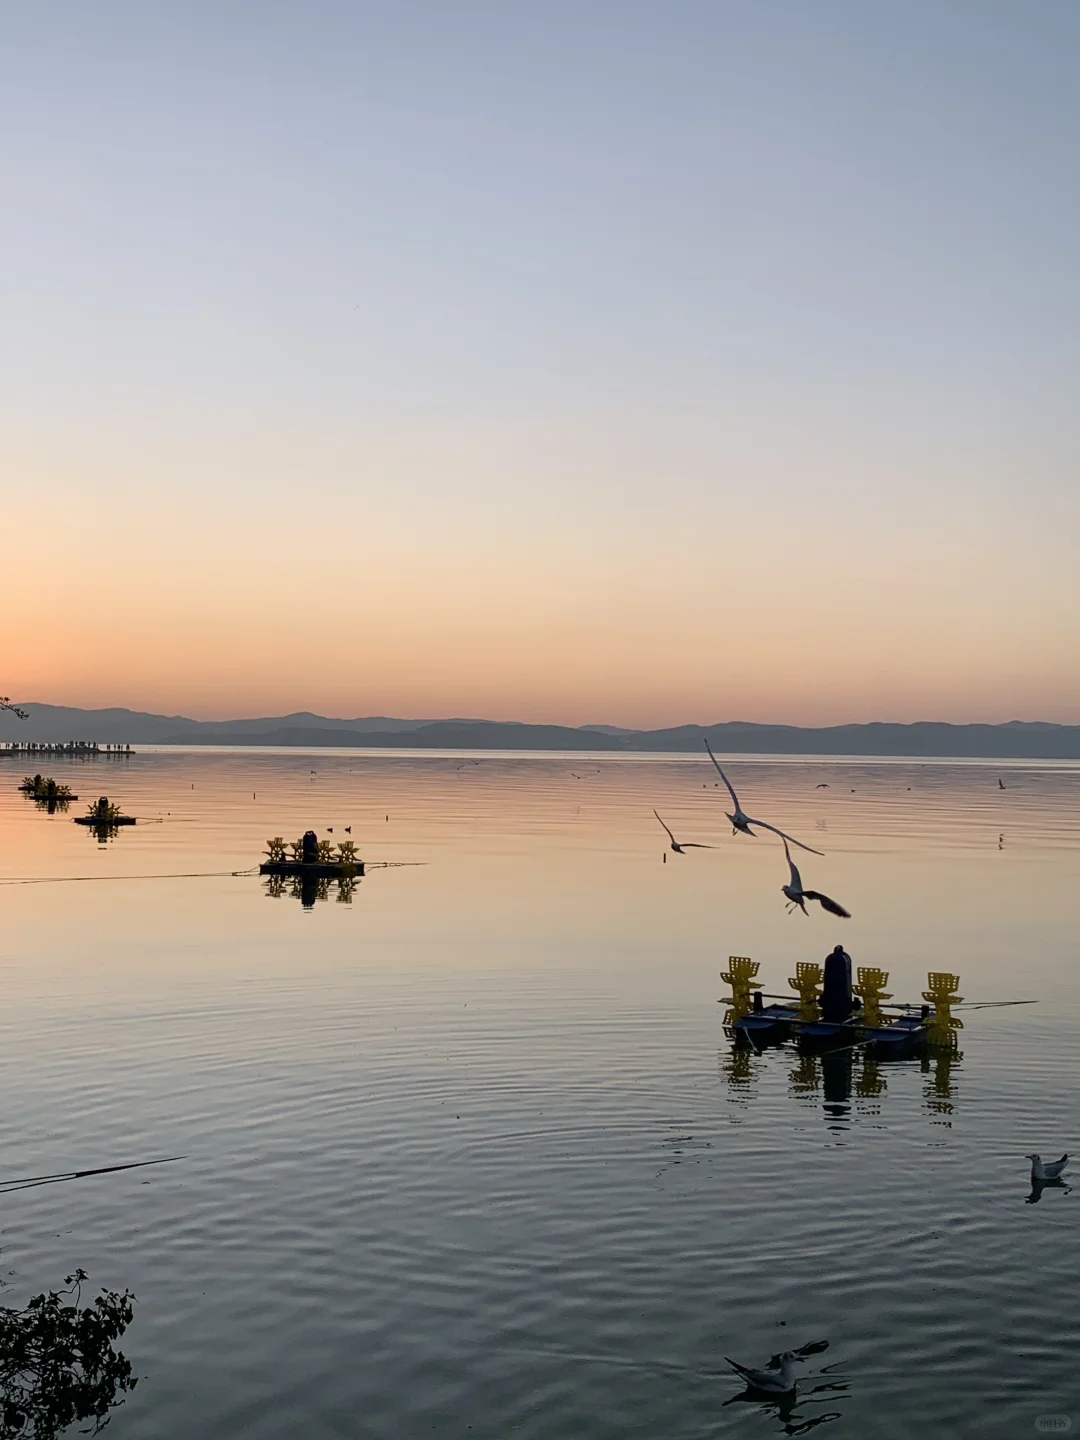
column 798, row 896
column 684, row 845
column 1046, row 1169
column 741, row 821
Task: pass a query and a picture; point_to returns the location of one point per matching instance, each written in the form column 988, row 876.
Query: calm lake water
column 470, row 1157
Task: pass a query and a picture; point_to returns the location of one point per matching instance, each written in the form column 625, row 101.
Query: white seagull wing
column 727, row 782
column 795, row 883
column 764, row 825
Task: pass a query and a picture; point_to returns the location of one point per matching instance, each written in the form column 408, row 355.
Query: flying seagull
column 823, row 786
column 1046, row 1169
column 769, row 1382
column 687, row 845
column 1001, row 784
column 741, row 821
column 798, row 896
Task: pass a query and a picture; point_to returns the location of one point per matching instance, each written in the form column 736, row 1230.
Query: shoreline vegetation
column 1014, row 740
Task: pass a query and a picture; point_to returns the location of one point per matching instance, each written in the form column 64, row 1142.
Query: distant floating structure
column 306, row 868
column 64, row 747
column 310, row 856
column 45, row 789
column 104, row 815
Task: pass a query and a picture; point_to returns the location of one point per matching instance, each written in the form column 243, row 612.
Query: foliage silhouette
column 59, row 1364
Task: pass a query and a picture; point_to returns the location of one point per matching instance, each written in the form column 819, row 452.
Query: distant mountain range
column 1034, row 740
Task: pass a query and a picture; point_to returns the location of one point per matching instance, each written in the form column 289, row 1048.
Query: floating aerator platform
column 310, row 856
column 830, row 1010
column 104, row 815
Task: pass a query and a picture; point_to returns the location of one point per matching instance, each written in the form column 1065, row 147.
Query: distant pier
column 64, row 747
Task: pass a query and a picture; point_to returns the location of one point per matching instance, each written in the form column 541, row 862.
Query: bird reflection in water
column 309, row 889
column 1038, row 1186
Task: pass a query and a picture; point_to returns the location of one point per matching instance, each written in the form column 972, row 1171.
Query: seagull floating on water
column 678, row 846
column 798, row 896
column 769, row 1382
column 741, row 821
column 1046, row 1169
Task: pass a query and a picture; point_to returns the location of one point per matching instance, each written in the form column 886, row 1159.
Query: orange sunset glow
column 603, row 412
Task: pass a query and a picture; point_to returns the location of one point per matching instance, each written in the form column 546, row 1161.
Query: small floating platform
column 46, row 789
column 103, row 815
column 312, row 858
column 315, row 869
column 838, row 1014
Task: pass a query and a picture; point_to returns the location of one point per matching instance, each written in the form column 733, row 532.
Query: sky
column 625, row 361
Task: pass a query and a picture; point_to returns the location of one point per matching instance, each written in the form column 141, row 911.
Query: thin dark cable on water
column 30, row 1181
column 185, row 875
column 991, row 1004
column 191, row 874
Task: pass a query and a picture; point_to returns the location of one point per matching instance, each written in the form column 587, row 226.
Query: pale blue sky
column 588, row 295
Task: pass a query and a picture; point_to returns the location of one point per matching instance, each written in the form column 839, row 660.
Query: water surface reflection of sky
column 472, row 1150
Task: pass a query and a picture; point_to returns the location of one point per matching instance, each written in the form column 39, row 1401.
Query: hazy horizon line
column 487, row 720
